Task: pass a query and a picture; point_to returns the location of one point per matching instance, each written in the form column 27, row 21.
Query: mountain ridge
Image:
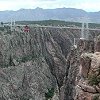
column 66, row 14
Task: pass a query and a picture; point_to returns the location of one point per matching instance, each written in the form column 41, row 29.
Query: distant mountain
column 67, row 14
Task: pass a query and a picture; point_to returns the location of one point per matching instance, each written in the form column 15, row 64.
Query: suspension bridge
column 60, row 27
column 84, row 29
column 14, row 25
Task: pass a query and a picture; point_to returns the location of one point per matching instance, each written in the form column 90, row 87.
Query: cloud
column 17, row 4
column 88, row 5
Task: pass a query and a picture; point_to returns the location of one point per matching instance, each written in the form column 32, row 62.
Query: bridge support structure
column 12, row 25
column 84, row 34
column 85, row 31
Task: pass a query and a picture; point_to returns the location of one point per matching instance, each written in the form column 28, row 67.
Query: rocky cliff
column 88, row 78
column 33, row 65
column 43, row 64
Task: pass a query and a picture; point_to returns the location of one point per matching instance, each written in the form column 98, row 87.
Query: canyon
column 43, row 64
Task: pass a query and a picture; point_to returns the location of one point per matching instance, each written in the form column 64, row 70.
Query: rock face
column 88, row 85
column 33, row 65
column 72, row 63
column 43, row 64
column 73, row 73
column 97, row 45
column 25, row 81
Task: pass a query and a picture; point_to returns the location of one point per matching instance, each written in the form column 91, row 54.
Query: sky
column 87, row 5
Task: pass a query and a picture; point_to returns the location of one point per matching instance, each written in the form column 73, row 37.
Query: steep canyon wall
column 41, row 64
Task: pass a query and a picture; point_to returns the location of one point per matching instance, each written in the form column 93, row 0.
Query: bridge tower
column 75, row 44
column 85, row 31
column 82, row 31
column 14, row 23
column 11, row 24
column 84, row 34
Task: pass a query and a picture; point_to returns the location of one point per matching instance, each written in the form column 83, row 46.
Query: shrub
column 25, row 97
column 49, row 94
column 94, row 79
column 96, row 97
column 26, row 58
column 1, row 28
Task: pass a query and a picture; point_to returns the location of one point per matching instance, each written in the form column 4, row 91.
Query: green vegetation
column 26, row 58
column 5, row 29
column 58, row 23
column 96, row 97
column 1, row 23
column 8, row 32
column 49, row 94
column 2, row 28
column 94, row 25
column 94, row 79
column 11, row 61
column 4, row 65
column 25, row 97
column 50, row 23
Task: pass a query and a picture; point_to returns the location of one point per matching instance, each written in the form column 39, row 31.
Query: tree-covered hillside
column 56, row 23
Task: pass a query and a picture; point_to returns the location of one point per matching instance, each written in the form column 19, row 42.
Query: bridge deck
column 63, row 27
